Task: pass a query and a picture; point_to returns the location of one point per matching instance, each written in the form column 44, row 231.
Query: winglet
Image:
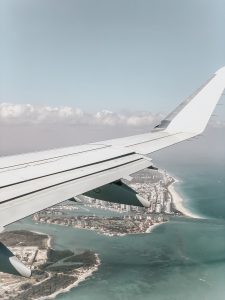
column 193, row 114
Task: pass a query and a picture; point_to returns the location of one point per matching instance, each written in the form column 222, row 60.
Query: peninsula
column 151, row 184
column 53, row 271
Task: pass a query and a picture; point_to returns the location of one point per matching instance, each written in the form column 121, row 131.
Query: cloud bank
column 26, row 128
column 30, row 114
column 27, row 113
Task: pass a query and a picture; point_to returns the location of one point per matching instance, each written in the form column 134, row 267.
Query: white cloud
column 26, row 128
column 27, row 113
column 217, row 123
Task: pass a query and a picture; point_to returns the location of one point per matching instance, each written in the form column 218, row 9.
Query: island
column 53, row 271
column 155, row 185
column 111, row 226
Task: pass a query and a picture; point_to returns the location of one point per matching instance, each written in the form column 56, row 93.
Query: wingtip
column 192, row 115
column 221, row 71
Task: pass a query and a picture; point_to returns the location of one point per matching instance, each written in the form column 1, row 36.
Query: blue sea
column 183, row 259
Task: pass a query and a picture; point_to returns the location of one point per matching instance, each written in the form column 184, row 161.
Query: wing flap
column 33, row 158
column 29, row 171
column 21, row 207
column 32, row 185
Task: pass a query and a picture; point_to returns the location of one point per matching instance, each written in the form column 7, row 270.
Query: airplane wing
column 32, row 182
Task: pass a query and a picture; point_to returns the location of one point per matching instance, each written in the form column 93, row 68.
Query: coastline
column 178, row 202
column 111, row 234
column 49, row 241
column 84, row 274
column 152, row 227
column 74, row 276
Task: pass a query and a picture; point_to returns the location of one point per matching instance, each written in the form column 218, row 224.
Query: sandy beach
column 48, row 244
column 84, row 274
column 179, row 202
column 152, row 227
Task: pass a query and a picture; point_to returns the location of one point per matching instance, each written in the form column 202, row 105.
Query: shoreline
column 108, row 234
column 84, row 273
column 152, row 227
column 178, row 201
column 81, row 277
column 49, row 241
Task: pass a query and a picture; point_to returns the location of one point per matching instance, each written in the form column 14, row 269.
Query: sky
column 75, row 71
column 120, row 55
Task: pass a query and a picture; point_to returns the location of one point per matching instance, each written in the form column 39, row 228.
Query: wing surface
column 32, row 182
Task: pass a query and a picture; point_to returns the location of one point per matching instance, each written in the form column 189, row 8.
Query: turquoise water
column 204, row 189
column 182, row 259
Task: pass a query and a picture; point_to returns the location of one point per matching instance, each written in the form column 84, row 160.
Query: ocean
column 183, row 259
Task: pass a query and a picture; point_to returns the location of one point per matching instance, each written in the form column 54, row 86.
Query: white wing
column 35, row 181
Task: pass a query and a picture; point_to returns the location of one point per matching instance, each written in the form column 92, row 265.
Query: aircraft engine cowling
column 118, row 192
column 9, row 263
